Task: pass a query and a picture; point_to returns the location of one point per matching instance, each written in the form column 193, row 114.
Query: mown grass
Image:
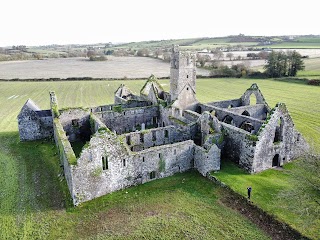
column 33, row 195
column 266, row 189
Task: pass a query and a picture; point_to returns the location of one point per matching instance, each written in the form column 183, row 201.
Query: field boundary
column 267, row 222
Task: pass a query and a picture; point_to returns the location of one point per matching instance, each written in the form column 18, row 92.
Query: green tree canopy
column 283, row 64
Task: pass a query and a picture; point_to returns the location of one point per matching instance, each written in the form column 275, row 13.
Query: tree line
column 283, row 64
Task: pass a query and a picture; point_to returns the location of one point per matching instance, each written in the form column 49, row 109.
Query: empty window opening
column 154, row 136
column 132, row 149
column 245, row 113
column 128, row 140
column 276, row 161
column 163, row 125
column 230, row 106
column 160, row 155
column 154, row 121
column 104, row 163
column 187, row 77
column 229, row 120
column 198, row 109
column 247, row 126
column 124, row 113
column 187, row 89
column 141, row 137
column 253, row 99
column 279, row 131
column 166, row 133
column 298, row 137
column 124, row 162
column 175, row 151
column 143, row 159
column 152, row 175
column 101, row 109
column 75, row 122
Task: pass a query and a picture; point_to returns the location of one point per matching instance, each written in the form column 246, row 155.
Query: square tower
column 183, row 77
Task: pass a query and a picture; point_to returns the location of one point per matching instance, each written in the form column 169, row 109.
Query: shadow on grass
column 41, row 185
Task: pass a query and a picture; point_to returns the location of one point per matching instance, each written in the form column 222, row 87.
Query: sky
column 44, row 22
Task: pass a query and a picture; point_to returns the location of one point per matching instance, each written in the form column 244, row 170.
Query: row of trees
column 283, row 64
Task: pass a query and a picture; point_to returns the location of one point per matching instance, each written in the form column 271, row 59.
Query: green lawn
column 184, row 206
column 266, row 189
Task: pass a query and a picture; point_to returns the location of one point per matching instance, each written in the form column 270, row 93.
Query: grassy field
column 184, row 206
column 266, row 189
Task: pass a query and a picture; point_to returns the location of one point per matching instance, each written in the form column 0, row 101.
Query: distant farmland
column 115, row 67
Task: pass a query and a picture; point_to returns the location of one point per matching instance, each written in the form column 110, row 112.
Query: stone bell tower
column 183, row 78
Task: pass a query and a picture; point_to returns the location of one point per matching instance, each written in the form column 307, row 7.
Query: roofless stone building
column 153, row 135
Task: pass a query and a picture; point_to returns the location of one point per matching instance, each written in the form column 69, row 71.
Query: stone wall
column 238, row 147
column 226, row 104
column 140, row 140
column 127, row 120
column 66, row 154
column 258, row 111
column 34, row 125
column 279, row 142
column 92, row 179
column 76, row 124
column 207, row 160
column 235, row 119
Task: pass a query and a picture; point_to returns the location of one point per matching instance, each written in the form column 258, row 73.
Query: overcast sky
column 42, row 22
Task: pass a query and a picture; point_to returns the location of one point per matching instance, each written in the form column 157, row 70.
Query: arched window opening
column 278, row 135
column 228, row 119
column 247, row 126
column 245, row 113
column 198, row 109
column 253, row 99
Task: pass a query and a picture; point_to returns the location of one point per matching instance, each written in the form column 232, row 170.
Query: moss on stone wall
column 162, row 165
column 63, row 143
column 117, row 108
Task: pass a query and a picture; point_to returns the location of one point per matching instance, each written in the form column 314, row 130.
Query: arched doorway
column 276, row 161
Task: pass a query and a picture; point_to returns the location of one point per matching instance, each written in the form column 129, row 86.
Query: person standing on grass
column 249, row 192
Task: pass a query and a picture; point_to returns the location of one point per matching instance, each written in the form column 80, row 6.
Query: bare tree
column 229, row 55
column 217, row 53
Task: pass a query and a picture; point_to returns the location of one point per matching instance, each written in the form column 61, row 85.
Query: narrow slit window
column 124, row 162
column 105, row 163
column 152, row 175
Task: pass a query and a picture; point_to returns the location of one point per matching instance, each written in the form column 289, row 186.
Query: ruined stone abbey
column 156, row 134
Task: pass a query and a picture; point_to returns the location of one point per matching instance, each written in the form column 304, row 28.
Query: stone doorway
column 276, row 161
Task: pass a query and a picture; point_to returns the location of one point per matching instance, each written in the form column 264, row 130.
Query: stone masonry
column 156, row 134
